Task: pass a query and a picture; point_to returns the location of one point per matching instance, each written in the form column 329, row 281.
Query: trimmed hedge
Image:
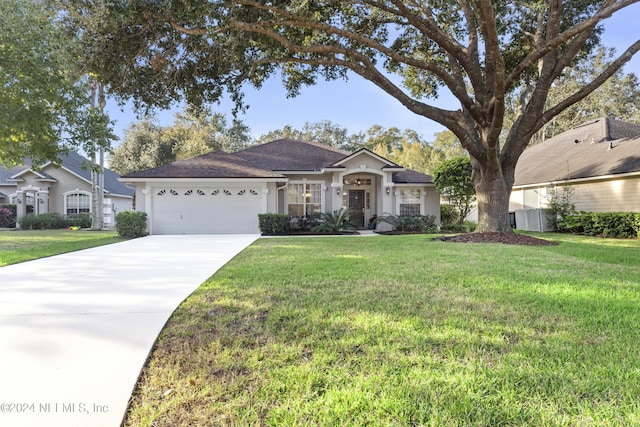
column 80, row 220
column 274, row 223
column 623, row 225
column 131, row 224
column 46, row 221
column 410, row 223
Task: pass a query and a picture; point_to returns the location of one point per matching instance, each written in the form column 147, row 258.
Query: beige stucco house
column 224, row 192
column 600, row 160
column 64, row 189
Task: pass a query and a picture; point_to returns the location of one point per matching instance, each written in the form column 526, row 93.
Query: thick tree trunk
column 492, row 195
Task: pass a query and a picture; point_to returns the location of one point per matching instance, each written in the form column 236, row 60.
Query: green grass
column 20, row 246
column 400, row 330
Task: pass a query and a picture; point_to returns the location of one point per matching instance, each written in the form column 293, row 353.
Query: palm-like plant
column 335, row 222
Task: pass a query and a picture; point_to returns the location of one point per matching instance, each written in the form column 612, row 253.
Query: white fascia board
column 191, row 180
column 366, row 152
column 320, row 172
column 413, row 184
column 579, row 180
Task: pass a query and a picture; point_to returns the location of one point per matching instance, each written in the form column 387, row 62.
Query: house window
column 410, row 202
column 77, row 202
column 304, row 199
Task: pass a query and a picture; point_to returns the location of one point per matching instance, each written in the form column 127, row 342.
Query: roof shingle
column 217, row 164
column 264, row 161
column 597, row 148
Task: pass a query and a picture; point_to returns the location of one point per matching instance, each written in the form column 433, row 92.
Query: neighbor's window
column 77, row 203
column 304, row 199
column 410, row 202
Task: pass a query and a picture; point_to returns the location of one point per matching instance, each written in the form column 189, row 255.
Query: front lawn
column 19, row 246
column 401, row 330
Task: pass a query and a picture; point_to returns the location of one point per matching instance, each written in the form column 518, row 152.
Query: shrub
column 304, row 223
column 410, row 223
column 8, row 216
column 560, row 206
column 448, row 215
column 335, row 222
column 80, row 220
column 46, row 221
column 271, row 223
column 606, row 224
column 465, row 227
column 131, row 224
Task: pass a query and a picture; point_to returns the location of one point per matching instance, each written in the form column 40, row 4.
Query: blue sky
column 358, row 104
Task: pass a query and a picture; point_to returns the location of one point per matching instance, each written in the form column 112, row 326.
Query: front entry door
column 356, row 204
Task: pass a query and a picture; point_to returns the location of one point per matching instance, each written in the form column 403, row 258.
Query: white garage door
column 205, row 210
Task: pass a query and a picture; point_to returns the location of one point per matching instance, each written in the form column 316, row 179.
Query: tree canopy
column 452, row 179
column 44, row 107
column 146, row 144
column 480, row 51
column 617, row 98
column 404, row 147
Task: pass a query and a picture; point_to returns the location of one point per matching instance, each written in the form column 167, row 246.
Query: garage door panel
column 205, row 210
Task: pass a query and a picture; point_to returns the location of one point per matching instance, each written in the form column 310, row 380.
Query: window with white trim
column 409, row 202
column 304, row 199
column 77, row 202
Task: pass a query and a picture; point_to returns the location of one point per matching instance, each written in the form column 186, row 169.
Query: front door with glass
column 356, row 204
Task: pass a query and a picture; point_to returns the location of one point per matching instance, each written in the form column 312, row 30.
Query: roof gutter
column 579, row 180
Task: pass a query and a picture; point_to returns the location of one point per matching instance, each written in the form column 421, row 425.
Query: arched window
column 77, row 202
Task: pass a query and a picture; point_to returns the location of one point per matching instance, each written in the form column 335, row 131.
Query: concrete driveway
column 76, row 329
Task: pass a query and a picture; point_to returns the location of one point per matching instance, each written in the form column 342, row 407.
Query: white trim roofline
column 190, row 180
column 17, row 176
column 370, row 153
column 578, row 180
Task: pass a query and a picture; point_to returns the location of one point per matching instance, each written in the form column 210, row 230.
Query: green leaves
column 453, row 181
column 335, row 222
column 44, row 106
column 195, row 132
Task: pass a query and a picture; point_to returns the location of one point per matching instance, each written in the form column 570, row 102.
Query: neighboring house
column 600, row 160
column 64, row 190
column 224, row 192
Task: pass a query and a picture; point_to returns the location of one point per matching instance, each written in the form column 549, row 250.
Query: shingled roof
column 74, row 163
column 600, row 147
column 264, row 161
column 217, row 164
column 291, row 155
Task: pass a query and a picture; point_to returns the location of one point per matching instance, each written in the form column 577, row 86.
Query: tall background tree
column 146, row 144
column 45, row 106
column 617, row 98
column 480, row 51
column 404, row 147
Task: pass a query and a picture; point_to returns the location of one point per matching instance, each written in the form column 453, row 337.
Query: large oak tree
column 45, row 107
column 481, row 51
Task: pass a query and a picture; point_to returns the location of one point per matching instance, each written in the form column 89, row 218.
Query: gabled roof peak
column 369, row 153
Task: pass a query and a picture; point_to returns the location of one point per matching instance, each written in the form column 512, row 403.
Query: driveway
column 76, row 329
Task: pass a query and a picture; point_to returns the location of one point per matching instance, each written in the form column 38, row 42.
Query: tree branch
column 589, row 88
column 605, row 12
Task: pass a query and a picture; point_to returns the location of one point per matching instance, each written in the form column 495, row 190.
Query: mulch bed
column 492, row 237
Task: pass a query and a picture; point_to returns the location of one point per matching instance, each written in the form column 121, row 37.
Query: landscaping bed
column 491, row 237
